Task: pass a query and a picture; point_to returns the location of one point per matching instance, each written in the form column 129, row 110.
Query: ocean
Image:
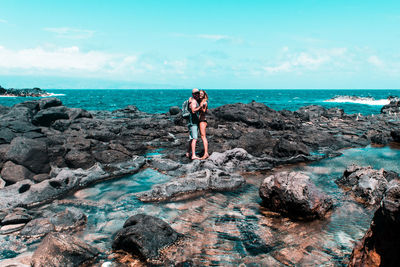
column 365, row 102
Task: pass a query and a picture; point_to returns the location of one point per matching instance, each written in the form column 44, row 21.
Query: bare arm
column 193, row 107
column 203, row 106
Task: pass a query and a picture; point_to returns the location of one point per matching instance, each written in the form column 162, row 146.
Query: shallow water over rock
column 231, row 228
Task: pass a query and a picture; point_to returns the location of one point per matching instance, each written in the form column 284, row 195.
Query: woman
column 203, row 121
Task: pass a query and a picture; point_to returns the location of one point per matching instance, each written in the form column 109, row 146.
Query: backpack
column 185, row 109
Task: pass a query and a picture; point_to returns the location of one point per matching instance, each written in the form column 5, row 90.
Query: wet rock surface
column 59, row 249
column 196, row 182
column 293, row 194
column 380, row 245
column 144, row 236
column 366, row 184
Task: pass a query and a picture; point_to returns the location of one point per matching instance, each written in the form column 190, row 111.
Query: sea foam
column 359, row 100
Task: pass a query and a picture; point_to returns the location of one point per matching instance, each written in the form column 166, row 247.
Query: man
column 193, row 124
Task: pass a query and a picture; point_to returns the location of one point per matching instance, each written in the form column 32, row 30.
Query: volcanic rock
column 364, row 183
column 381, row 244
column 59, row 249
column 30, row 153
column 197, row 182
column 47, row 116
column 293, row 194
column 174, row 110
column 144, row 236
column 13, row 173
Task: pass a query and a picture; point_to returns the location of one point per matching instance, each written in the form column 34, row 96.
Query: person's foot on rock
column 195, row 157
column 205, row 156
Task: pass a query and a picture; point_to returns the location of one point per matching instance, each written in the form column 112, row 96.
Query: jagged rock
column 79, row 159
column 68, row 219
column 45, row 103
column 257, row 142
column 201, row 181
column 143, row 235
column 2, row 183
column 11, row 228
column 364, row 183
column 27, row 193
column 162, row 164
column 40, row 177
column 13, row 173
column 16, row 217
column 77, row 113
column 293, row 194
column 289, row 148
column 47, row 116
column 110, row 156
column 380, row 245
column 37, row 228
column 392, row 108
column 311, row 112
column 59, row 249
column 30, row 153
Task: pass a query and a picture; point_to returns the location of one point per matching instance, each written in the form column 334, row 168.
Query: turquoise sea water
column 159, row 101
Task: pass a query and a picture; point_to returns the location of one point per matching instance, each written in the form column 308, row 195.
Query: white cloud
column 64, row 59
column 3, row 21
column 71, row 61
column 376, row 61
column 214, row 37
column 306, row 60
column 70, row 33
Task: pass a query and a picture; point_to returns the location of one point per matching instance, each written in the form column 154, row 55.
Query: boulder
column 192, row 184
column 380, row 246
column 294, row 195
column 311, row 112
column 110, row 156
column 30, row 153
column 59, row 249
column 77, row 113
column 47, row 116
column 37, row 228
column 18, row 216
column 256, row 142
column 174, row 110
column 12, row 173
column 392, row 108
column 45, row 103
column 364, row 183
column 79, row 159
column 144, row 236
column 68, row 219
column 289, row 148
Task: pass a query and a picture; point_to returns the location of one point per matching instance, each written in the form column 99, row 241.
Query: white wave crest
column 359, row 100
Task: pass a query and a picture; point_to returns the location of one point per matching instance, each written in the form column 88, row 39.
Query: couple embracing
column 197, row 106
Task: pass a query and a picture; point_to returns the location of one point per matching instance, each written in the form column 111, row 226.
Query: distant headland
column 24, row 92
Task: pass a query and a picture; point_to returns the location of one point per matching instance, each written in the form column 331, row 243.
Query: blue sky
column 206, row 44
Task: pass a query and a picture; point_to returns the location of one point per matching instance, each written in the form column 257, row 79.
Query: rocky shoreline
column 32, row 92
column 48, row 150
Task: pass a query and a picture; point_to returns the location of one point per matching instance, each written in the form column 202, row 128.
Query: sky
column 341, row 44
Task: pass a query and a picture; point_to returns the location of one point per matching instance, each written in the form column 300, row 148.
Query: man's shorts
column 193, row 131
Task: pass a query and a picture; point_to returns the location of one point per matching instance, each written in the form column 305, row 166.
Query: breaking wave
column 359, row 100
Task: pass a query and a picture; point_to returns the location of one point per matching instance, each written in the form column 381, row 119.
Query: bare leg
column 203, row 126
column 194, row 141
column 188, row 149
